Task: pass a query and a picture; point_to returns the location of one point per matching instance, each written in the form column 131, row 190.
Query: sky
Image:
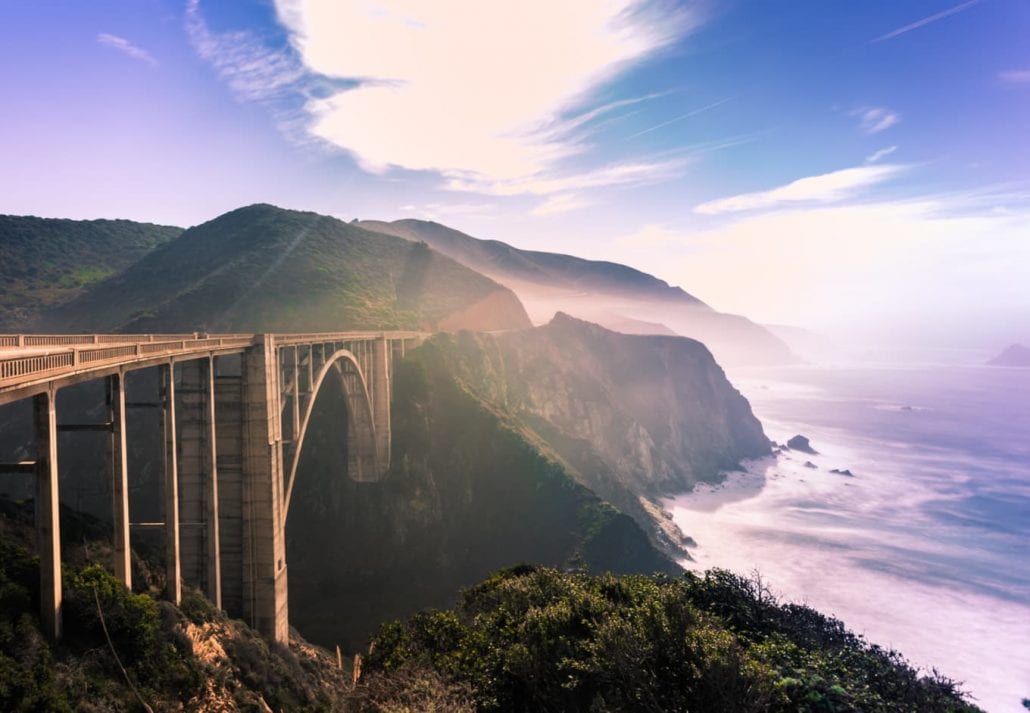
column 850, row 166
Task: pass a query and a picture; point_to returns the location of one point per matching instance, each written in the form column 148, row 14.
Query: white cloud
column 560, row 203
column 882, row 153
column 253, row 71
column 874, row 119
column 852, row 262
column 825, row 188
column 473, row 90
column 125, row 47
column 1015, row 76
column 618, row 174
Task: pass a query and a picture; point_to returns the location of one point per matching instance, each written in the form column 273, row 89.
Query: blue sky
column 819, row 163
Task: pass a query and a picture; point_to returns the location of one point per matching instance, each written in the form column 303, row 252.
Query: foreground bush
column 533, row 639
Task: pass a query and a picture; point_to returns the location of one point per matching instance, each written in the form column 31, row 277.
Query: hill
column 1013, row 355
column 263, row 268
column 610, row 294
column 45, row 262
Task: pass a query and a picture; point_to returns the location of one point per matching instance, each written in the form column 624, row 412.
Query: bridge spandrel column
column 380, row 392
column 264, row 551
column 119, row 479
column 47, row 508
column 198, row 481
column 173, row 565
column 48, row 517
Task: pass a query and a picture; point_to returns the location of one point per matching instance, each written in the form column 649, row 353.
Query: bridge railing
column 55, row 340
column 18, row 367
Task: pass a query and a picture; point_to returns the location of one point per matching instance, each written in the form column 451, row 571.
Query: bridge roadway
column 234, row 412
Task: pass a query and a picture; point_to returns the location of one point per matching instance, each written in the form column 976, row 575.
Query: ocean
column 926, row 547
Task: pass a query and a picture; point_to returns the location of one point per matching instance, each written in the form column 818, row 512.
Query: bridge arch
column 363, row 459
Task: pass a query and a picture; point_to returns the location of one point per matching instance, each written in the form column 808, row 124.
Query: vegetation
column 45, row 262
column 121, row 650
column 266, row 269
column 538, row 639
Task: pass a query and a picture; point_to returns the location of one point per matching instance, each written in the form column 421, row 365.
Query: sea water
column 926, row 547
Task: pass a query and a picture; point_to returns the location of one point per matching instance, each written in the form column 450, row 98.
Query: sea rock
column 810, row 464
column 800, row 443
column 843, row 471
column 1014, row 355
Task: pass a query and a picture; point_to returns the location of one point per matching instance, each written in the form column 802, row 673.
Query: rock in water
column 800, row 443
column 1014, row 355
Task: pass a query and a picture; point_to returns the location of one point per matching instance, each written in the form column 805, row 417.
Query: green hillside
column 45, row 261
column 263, row 268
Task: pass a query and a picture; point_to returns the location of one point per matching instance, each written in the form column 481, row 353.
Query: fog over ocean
column 927, row 548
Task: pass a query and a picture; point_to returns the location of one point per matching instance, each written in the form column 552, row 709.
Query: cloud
column 1015, row 76
column 475, row 91
column 617, row 174
column 927, row 20
column 825, row 188
column 882, row 153
column 561, row 203
column 866, row 261
column 253, row 71
column 125, row 47
column 874, row 119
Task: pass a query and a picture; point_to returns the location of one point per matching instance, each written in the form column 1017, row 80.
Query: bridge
column 234, row 411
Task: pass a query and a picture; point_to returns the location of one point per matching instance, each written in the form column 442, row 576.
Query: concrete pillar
column 229, row 416
column 214, row 554
column 264, row 543
column 173, row 565
column 48, row 513
column 198, row 480
column 380, row 395
column 119, row 469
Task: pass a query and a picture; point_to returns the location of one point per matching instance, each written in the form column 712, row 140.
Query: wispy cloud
column 927, row 20
column 882, row 153
column 681, row 117
column 561, row 203
column 127, row 48
column 825, row 188
column 253, row 70
column 1015, row 76
column 618, row 174
column 453, row 87
column 874, row 119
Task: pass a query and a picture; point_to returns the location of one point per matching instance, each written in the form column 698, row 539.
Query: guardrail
column 74, row 357
column 74, row 351
column 54, row 340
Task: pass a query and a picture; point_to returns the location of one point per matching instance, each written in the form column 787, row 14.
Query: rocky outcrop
column 1014, row 355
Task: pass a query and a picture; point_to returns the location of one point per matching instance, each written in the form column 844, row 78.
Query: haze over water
column 927, row 548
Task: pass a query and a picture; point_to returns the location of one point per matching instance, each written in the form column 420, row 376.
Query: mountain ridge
column 609, row 294
column 264, row 268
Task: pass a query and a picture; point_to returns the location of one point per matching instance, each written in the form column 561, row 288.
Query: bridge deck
column 30, row 363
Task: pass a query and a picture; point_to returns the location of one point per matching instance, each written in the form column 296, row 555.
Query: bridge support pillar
column 381, row 392
column 264, row 543
column 119, row 479
column 48, row 513
column 173, row 565
column 198, row 481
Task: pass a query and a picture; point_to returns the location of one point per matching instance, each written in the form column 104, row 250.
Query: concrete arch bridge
column 234, row 411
